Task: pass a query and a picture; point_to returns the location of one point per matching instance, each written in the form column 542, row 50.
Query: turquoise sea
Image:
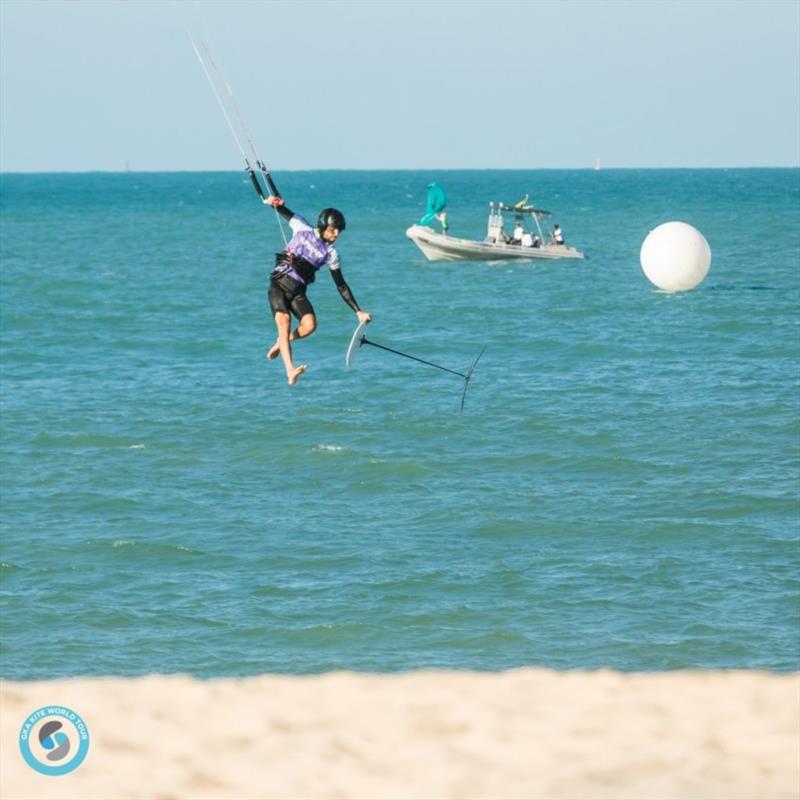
column 622, row 489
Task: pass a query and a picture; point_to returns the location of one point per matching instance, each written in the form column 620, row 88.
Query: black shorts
column 289, row 297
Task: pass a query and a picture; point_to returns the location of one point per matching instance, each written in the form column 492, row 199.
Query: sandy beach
column 527, row 733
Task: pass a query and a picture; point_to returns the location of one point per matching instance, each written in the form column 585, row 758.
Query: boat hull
column 438, row 247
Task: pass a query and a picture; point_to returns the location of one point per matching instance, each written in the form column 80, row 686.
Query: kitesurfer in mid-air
column 296, row 267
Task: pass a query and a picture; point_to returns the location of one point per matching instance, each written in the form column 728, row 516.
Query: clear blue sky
column 402, row 85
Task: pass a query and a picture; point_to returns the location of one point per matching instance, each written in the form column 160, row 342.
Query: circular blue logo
column 54, row 740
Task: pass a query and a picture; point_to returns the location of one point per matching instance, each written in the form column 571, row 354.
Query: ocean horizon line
column 396, row 170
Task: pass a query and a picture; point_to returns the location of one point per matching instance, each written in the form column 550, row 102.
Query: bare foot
column 294, row 375
column 274, row 352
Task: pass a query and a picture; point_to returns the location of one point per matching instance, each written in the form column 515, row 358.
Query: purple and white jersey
column 308, row 245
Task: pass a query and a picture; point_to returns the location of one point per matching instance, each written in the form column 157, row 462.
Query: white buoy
column 675, row 257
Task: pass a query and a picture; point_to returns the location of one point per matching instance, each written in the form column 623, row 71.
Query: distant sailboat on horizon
column 597, row 165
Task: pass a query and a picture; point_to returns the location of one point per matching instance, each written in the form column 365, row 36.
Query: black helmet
column 331, row 217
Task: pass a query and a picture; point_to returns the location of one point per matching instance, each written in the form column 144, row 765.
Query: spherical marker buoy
column 675, row 257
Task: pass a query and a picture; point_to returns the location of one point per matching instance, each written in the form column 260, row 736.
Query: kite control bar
column 242, row 124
